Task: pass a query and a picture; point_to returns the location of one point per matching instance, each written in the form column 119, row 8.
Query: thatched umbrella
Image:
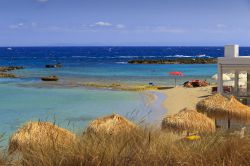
column 41, row 135
column 238, row 110
column 213, row 106
column 112, row 125
column 188, row 120
column 220, row 107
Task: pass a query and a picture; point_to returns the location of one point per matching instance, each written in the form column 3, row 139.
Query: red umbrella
column 176, row 73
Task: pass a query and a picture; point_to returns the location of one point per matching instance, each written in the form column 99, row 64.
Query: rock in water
column 7, row 75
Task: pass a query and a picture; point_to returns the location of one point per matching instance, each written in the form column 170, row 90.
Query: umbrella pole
column 228, row 120
column 175, row 82
column 228, row 123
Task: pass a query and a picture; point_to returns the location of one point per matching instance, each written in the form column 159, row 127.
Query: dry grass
column 139, row 147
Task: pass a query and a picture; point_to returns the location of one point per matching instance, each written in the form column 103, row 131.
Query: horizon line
column 120, row 46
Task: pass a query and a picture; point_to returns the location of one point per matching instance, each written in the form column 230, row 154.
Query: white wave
column 202, row 55
column 128, row 56
column 187, row 56
column 178, row 56
column 110, row 57
column 121, row 62
column 78, row 56
column 149, row 56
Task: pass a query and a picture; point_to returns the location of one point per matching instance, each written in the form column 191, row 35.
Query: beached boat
column 58, row 65
column 50, row 78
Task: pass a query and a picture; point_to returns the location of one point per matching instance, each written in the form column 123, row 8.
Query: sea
column 72, row 106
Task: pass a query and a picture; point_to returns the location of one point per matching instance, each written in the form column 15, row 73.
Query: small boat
column 50, row 78
column 151, row 84
column 58, row 65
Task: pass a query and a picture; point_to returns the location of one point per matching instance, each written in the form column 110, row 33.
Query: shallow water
column 71, row 108
column 124, row 73
column 25, row 98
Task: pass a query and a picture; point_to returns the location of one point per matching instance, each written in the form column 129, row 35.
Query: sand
column 179, row 97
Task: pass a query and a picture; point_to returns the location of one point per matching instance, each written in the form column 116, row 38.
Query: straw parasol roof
column 222, row 107
column 213, row 106
column 112, row 124
column 41, row 135
column 188, row 120
column 238, row 110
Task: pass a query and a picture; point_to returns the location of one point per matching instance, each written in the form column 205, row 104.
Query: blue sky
column 124, row 22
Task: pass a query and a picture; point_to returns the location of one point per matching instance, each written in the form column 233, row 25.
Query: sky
column 124, row 22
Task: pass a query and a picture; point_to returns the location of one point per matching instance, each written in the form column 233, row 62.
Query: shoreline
column 171, row 101
column 154, row 100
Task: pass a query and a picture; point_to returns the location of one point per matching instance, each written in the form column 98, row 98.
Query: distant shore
column 175, row 61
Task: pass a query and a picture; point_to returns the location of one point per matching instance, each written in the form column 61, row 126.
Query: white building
column 238, row 69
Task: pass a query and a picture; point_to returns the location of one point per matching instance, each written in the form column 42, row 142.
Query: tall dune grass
column 144, row 147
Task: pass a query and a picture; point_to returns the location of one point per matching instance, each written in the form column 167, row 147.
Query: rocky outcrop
column 10, row 68
column 7, row 75
column 176, row 61
column 58, row 65
column 50, row 78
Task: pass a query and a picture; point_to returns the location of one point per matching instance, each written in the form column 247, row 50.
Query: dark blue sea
column 78, row 56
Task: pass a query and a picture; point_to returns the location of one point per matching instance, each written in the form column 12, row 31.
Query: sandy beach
column 180, row 97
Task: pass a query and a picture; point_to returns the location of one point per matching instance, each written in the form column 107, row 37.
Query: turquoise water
column 125, row 73
column 27, row 98
column 70, row 108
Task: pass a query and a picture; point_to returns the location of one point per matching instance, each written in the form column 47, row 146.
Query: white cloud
column 221, row 26
column 16, row 26
column 33, row 24
column 42, row 1
column 120, row 26
column 103, row 24
column 95, row 27
column 164, row 29
column 22, row 25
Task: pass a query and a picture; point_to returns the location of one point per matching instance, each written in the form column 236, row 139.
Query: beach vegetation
column 146, row 145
